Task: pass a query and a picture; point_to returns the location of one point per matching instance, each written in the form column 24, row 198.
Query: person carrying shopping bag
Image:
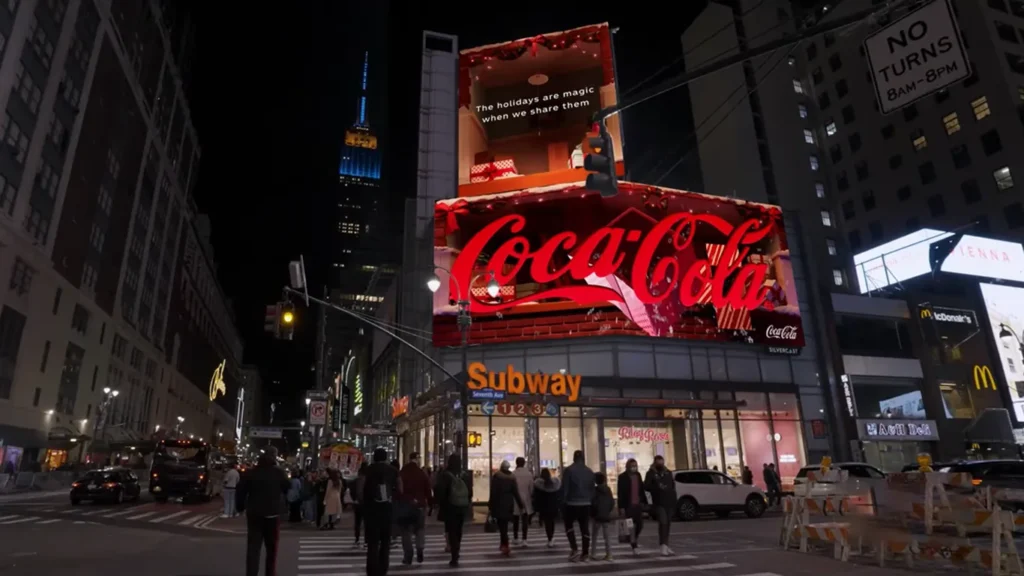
column 632, row 501
column 332, row 499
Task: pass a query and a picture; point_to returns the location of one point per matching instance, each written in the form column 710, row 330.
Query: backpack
column 378, row 488
column 458, row 494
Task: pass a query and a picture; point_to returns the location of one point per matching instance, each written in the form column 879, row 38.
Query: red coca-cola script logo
column 781, row 333
column 642, row 434
column 603, row 252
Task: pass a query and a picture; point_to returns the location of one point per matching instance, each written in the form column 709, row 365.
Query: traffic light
column 280, row 320
column 602, row 163
column 270, row 319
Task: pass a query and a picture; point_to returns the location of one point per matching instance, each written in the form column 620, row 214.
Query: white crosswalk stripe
column 2, row 518
column 192, row 520
column 20, row 520
column 169, row 516
column 122, row 512
column 141, row 516
column 50, row 521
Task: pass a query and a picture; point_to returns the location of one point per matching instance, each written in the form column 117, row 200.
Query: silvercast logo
column 782, row 333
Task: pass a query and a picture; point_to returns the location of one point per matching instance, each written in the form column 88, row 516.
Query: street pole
column 321, row 338
column 465, row 321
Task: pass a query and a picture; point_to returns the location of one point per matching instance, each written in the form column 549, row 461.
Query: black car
column 997, row 474
column 107, row 485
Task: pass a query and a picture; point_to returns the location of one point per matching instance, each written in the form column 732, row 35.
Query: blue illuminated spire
column 360, row 157
column 361, row 111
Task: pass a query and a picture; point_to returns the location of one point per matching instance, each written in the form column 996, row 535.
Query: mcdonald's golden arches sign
column 983, row 377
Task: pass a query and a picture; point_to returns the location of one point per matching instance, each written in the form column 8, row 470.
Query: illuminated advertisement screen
column 526, row 106
column 1006, row 319
column 567, row 263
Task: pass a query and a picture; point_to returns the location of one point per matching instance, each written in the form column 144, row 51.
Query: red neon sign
column 602, row 254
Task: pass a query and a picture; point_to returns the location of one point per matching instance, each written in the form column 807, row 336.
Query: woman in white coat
column 524, row 485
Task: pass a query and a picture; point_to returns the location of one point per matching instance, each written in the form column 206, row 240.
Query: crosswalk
column 336, row 556
column 143, row 514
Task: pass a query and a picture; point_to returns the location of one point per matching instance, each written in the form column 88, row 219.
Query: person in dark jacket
column 632, row 500
column 453, row 493
column 747, row 476
column 357, row 500
column 662, row 486
column 504, row 498
column 320, row 487
column 578, row 490
column 416, row 494
column 546, row 491
column 601, row 509
column 261, row 495
column 381, row 488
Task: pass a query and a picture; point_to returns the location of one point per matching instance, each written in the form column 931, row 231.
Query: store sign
column 486, row 394
column 783, row 350
column 269, row 432
column 653, row 262
column 240, row 414
column 217, row 386
column 851, row 404
column 399, row 406
column 357, row 396
column 910, row 256
column 520, row 409
column 952, row 315
column 515, row 382
column 643, row 434
column 983, row 377
column 343, row 407
column 920, row 430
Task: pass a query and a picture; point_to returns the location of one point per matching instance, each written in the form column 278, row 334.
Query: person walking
column 382, row 485
column 332, row 499
column 416, row 494
column 524, row 485
column 747, row 476
column 357, row 501
column 231, row 479
column 320, row 489
column 774, row 485
column 308, row 497
column 503, row 502
column 454, row 495
column 662, row 486
column 261, row 497
column 632, row 500
column 295, row 497
column 546, row 490
column 601, row 509
column 578, row 488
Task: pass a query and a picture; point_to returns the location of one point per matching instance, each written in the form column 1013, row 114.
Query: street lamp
column 302, row 424
column 1008, row 336
column 308, row 400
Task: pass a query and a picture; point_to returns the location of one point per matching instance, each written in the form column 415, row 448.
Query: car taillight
column 110, row 485
column 76, row 485
column 976, row 482
column 154, row 475
column 201, row 476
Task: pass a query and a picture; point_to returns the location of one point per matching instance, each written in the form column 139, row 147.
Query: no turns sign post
column 318, row 413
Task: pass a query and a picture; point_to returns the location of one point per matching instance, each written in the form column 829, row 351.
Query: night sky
column 274, row 90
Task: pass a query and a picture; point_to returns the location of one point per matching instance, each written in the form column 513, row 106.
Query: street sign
column 343, row 406
column 487, row 394
column 264, row 432
column 318, row 413
column 487, row 408
column 316, row 394
column 916, row 55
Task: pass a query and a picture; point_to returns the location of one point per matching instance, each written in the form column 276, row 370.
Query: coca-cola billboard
column 648, row 262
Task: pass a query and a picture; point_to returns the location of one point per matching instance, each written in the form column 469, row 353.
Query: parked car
column 865, row 485
column 700, row 491
column 109, row 485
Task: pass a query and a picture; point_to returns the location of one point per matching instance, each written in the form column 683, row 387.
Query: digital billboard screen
column 526, row 106
column 1006, row 319
column 567, row 263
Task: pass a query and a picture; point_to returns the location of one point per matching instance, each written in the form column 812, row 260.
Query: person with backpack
column 454, row 496
column 382, row 486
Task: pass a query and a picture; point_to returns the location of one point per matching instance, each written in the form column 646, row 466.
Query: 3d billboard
column 647, row 262
column 526, row 106
column 1006, row 319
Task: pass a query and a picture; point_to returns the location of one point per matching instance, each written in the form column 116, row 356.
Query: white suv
column 699, row 491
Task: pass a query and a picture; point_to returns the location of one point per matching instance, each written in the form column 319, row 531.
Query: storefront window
column 549, row 454
column 508, row 440
column 756, row 406
column 712, row 440
column 731, row 439
column 757, row 448
column 641, row 440
column 592, row 444
column 479, row 462
column 784, row 406
column 956, row 399
column 572, row 435
column 789, row 445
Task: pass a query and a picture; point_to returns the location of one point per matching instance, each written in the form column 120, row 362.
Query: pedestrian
column 381, row 487
column 320, row 485
column 261, row 497
column 332, row 499
column 601, row 509
column 774, row 487
column 454, row 496
column 308, row 495
column 546, row 490
column 357, row 501
column 503, row 502
column 632, row 500
column 522, row 514
column 395, row 530
column 438, row 479
column 748, row 476
column 662, row 486
column 416, row 494
column 578, row 487
column 295, row 497
column 231, row 479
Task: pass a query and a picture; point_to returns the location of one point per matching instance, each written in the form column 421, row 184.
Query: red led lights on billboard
column 649, row 261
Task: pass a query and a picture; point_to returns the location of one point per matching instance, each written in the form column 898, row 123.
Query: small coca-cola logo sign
column 642, row 434
column 781, row 333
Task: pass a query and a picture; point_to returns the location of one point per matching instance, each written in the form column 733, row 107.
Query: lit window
column 798, row 87
column 831, row 246
column 814, row 163
column 952, row 123
column 803, row 109
column 819, row 189
column 837, row 276
column 980, row 107
column 826, row 218
column 1004, row 180
column 831, row 129
column 808, row 136
column 920, row 143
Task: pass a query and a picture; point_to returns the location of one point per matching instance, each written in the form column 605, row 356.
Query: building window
column 27, row 88
column 903, row 193
column 869, row 200
column 918, row 140
column 798, row 87
column 1014, row 214
column 961, row 157
column 834, row 62
column 808, row 136
column 837, row 277
column 875, row 229
column 927, row 172
column 991, row 143
column 819, row 189
column 854, row 239
column 824, row 101
column 835, row 152
column 12, row 324
column 88, row 277
column 841, row 88
column 1006, row 32
column 848, row 114
column 981, row 109
column 46, row 356
column 67, row 394
column 830, row 128
column 814, row 162
column 971, row 191
column 803, row 110
column 952, row 123
column 842, row 182
column 817, row 76
column 888, row 131
column 812, row 51
column 826, row 218
column 1015, row 62
column 1003, row 178
column 936, row 205
column 895, row 161
column 80, row 320
column 848, row 210
column 910, row 112
column 831, row 245
column 21, row 276
column 56, row 300
column 35, row 397
column 855, row 142
column 15, row 138
column 862, row 171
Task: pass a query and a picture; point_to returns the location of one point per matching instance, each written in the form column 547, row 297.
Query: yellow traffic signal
column 288, row 317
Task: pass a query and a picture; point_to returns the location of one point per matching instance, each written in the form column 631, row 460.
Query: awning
column 992, row 426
